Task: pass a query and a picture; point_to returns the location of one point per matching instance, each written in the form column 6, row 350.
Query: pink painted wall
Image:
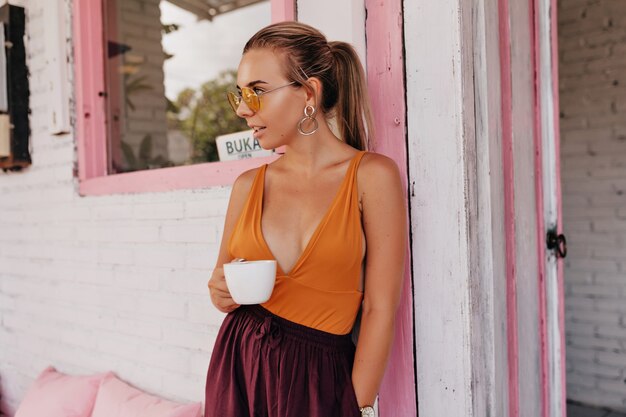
column 385, row 67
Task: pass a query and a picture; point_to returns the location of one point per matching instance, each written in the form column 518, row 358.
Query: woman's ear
column 313, row 91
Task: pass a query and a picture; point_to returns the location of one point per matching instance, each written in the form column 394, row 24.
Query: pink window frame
column 91, row 127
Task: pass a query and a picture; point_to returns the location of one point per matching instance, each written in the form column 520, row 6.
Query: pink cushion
column 118, row 399
column 54, row 394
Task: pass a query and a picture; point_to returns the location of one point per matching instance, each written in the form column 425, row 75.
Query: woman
column 331, row 215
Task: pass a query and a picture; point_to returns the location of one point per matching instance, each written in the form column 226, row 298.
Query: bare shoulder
column 377, row 173
column 241, row 189
column 243, row 183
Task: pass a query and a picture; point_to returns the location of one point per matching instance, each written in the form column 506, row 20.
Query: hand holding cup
column 220, row 296
column 250, row 282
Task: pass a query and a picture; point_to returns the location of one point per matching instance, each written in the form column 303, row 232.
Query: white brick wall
column 592, row 51
column 89, row 284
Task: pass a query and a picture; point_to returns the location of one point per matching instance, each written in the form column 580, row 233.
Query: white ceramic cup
column 250, row 282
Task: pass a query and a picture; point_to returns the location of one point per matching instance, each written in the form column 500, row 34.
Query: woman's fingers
column 219, row 290
column 217, row 283
column 224, row 304
column 220, row 296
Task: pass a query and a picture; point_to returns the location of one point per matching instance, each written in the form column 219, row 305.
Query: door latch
column 557, row 243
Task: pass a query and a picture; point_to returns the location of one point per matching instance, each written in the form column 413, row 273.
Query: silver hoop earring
column 309, row 115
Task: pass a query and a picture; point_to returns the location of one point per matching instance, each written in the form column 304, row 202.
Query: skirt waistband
column 271, row 323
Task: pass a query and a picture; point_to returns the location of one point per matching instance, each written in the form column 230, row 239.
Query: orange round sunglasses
column 250, row 97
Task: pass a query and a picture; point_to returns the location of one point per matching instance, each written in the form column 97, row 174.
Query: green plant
column 204, row 114
column 135, row 86
column 144, row 159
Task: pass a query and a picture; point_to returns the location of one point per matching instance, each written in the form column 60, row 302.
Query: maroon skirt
column 265, row 366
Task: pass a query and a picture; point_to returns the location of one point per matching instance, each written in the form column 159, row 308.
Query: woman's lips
column 258, row 131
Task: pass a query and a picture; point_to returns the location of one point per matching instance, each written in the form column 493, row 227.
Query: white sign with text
column 239, row 145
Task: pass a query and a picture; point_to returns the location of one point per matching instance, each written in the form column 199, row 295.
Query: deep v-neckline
column 318, row 229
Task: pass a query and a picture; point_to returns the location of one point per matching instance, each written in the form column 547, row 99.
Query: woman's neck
column 310, row 154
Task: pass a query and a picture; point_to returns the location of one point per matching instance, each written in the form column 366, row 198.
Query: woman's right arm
column 220, row 296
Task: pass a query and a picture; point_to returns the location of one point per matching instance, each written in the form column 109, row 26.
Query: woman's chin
column 268, row 144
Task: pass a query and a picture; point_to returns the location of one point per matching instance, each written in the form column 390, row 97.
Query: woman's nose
column 243, row 110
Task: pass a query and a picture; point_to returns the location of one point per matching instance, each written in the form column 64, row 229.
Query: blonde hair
column 307, row 53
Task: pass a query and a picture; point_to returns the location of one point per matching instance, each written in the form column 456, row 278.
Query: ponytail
column 352, row 111
column 344, row 91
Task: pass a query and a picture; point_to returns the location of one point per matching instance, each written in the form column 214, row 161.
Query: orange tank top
column 322, row 289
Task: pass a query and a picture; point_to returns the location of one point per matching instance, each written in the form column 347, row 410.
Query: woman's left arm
column 385, row 226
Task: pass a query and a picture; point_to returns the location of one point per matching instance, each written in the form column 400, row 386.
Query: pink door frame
column 541, row 282
column 385, row 68
column 508, row 167
column 509, row 204
column 554, row 35
column 548, row 396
